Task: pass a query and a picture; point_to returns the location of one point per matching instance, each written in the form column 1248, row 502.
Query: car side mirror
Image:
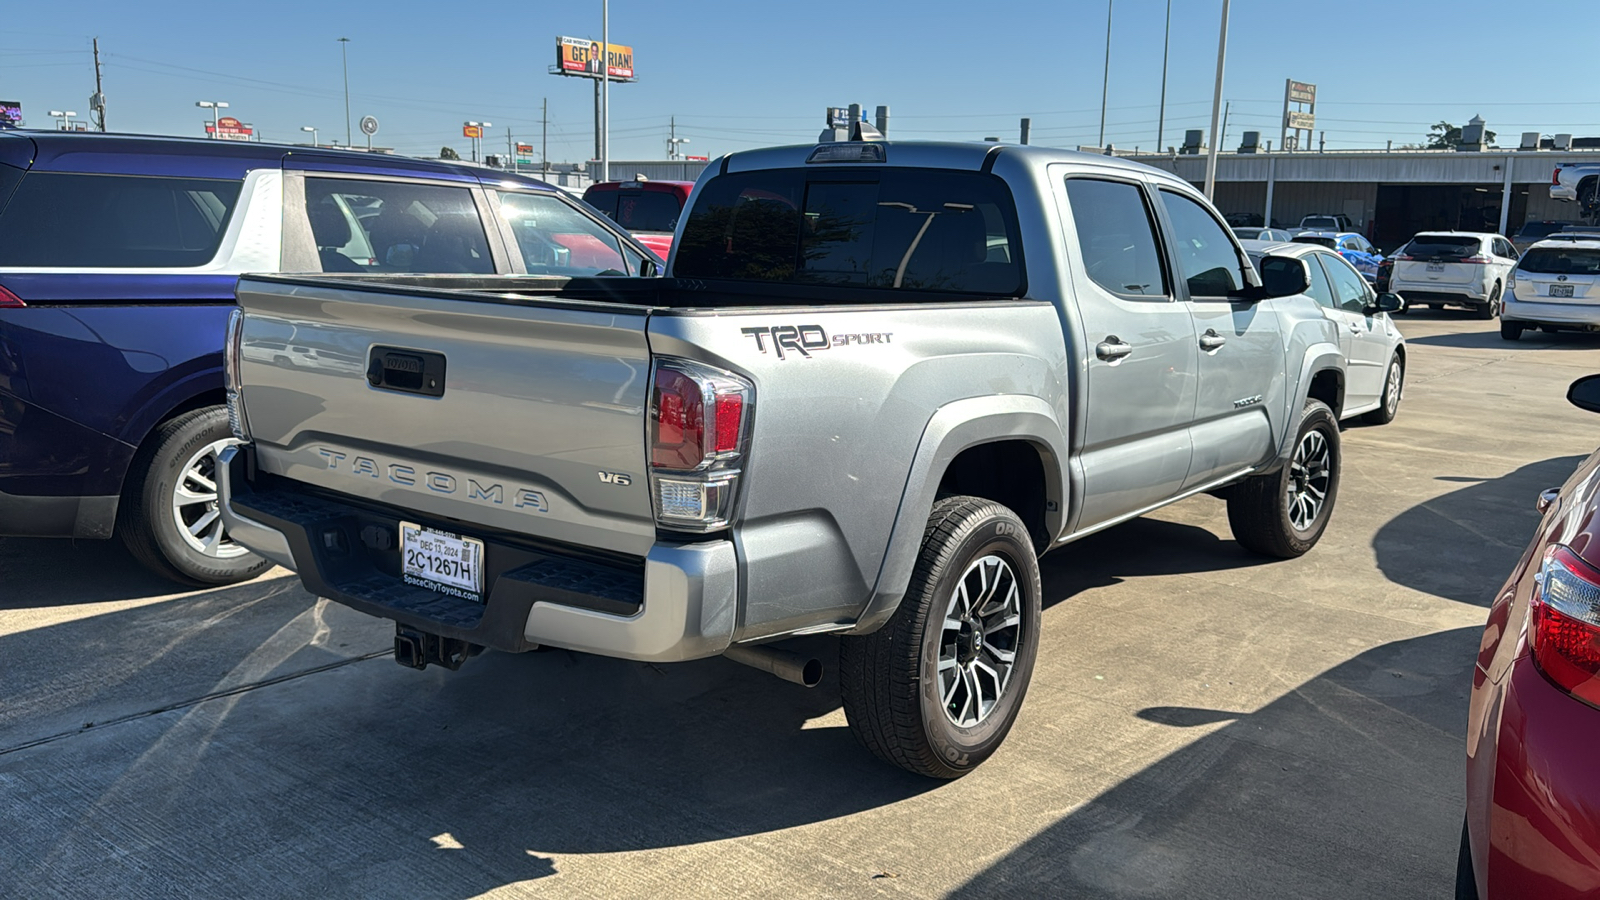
column 1281, row 276
column 647, row 267
column 1585, row 393
column 1386, row 303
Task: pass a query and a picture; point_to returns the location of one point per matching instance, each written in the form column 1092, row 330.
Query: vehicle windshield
column 1248, row 234
column 1539, row 229
column 918, row 229
column 1319, row 222
column 1319, row 240
column 1561, row 261
column 1443, row 246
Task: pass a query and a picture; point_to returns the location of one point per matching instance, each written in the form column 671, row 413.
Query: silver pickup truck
column 879, row 381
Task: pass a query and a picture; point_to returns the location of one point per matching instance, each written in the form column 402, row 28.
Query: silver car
column 1556, row 285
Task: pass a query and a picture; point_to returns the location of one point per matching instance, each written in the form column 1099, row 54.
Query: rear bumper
column 1537, row 834
column 677, row 603
column 1577, row 314
column 1433, row 292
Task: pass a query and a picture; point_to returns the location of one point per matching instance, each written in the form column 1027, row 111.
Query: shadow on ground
column 1491, row 340
column 1462, row 545
column 1375, row 745
column 1141, row 547
column 41, row 572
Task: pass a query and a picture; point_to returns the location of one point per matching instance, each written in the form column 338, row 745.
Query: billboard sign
column 228, row 128
column 1300, row 92
column 472, row 131
column 581, row 56
column 10, row 114
column 1302, row 121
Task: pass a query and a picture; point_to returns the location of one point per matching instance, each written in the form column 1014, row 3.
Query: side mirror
column 1387, row 303
column 647, row 268
column 1585, row 393
column 1281, row 276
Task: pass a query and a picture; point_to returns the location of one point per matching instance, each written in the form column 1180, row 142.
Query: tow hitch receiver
column 415, row 649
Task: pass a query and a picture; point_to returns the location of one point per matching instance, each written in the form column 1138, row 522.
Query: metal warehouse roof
column 1397, row 167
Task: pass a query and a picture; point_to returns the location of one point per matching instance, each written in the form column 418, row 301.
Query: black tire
column 1466, row 878
column 1490, row 309
column 1394, row 381
column 892, row 682
column 1260, row 512
column 1511, row 330
column 147, row 522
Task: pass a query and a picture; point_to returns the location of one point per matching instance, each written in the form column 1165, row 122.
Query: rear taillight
column 1475, row 260
column 1566, row 624
column 232, row 365
column 9, row 300
column 1555, row 176
column 699, row 437
column 1403, row 258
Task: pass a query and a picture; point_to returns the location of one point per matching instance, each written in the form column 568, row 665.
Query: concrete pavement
column 1202, row 723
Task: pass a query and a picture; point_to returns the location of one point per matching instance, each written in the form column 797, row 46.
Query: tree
column 448, row 153
column 1444, row 136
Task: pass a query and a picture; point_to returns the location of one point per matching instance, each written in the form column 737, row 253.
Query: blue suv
column 118, row 259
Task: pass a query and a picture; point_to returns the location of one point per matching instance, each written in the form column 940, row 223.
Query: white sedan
column 1374, row 349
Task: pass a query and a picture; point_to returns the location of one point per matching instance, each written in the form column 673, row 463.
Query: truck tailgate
column 515, row 413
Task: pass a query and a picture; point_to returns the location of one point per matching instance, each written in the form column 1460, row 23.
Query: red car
column 649, row 210
column 1533, row 730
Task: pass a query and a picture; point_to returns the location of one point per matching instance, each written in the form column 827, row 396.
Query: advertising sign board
column 581, row 56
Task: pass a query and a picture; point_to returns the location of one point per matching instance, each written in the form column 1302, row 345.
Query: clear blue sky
column 743, row 73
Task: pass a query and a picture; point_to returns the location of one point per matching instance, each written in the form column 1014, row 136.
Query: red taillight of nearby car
column 9, row 300
column 1565, row 633
column 1555, row 176
column 1475, row 260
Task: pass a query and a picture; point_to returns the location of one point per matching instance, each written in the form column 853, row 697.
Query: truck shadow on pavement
column 1143, row 547
column 1349, row 785
column 41, row 572
column 1491, row 340
column 1463, row 545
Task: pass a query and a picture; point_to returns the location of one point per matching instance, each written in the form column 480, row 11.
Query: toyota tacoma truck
column 878, row 382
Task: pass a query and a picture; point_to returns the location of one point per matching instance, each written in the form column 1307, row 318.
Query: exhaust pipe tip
column 792, row 667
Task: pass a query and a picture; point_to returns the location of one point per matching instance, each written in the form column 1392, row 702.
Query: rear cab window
column 889, row 229
column 645, row 210
column 60, row 219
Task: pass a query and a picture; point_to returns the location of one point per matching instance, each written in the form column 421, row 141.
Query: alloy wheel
column 195, row 502
column 1391, row 394
column 978, row 645
column 1310, row 475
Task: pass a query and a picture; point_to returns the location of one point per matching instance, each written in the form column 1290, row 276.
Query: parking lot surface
column 1202, row 722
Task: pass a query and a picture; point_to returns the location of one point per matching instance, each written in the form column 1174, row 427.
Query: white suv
column 1454, row 268
column 1556, row 285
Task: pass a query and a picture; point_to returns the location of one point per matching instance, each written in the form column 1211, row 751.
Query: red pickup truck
column 647, row 209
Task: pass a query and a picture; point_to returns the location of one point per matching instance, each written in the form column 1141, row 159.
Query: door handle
column 1112, row 348
column 1211, row 340
column 1354, row 328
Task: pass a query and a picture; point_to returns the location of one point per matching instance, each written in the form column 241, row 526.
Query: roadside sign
column 1302, row 121
column 698, row 158
column 472, row 131
column 1300, row 92
column 228, row 128
column 581, row 57
column 369, row 125
column 524, row 148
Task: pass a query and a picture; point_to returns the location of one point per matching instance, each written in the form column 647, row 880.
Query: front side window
column 363, row 225
column 556, row 239
column 1320, row 289
column 1349, row 288
column 115, row 221
column 1206, row 258
column 918, row 229
column 1117, row 237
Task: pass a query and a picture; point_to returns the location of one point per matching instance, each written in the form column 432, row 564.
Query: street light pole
column 1105, row 79
column 1161, row 116
column 313, row 131
column 605, row 90
column 216, row 107
column 1216, row 106
column 344, row 58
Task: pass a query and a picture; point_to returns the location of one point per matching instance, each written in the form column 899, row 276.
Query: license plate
column 441, row 561
column 1435, row 267
column 1561, row 290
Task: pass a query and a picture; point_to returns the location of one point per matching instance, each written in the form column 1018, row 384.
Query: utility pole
column 511, row 150
column 344, row 58
column 672, row 139
column 1105, row 80
column 1225, row 107
column 99, row 103
column 544, row 137
column 1216, row 106
column 1161, row 116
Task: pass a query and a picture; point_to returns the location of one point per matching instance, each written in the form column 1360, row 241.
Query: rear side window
column 1116, row 237
column 1206, row 256
column 1319, row 290
column 646, row 210
column 363, row 225
column 1561, row 261
column 919, row 229
column 115, row 221
column 1444, row 246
